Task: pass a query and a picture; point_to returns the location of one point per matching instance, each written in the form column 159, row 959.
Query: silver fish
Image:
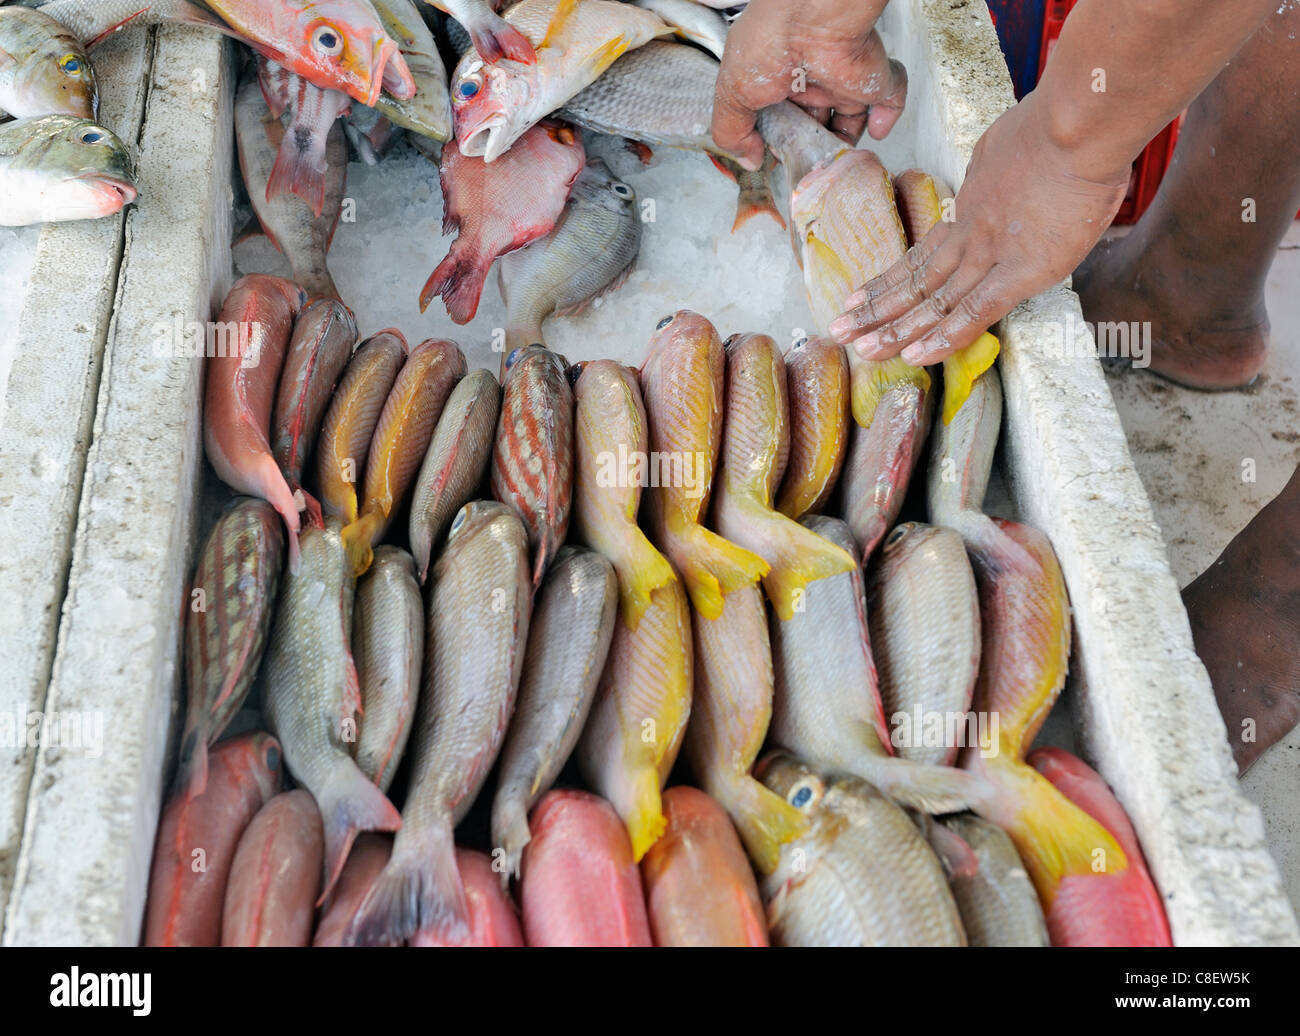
column 44, row 69
column 691, row 21
column 55, row 168
column 428, row 113
column 998, row 904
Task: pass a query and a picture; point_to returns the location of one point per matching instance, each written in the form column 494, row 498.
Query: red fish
column 580, row 885
column 196, row 842
column 365, row 862
column 241, row 382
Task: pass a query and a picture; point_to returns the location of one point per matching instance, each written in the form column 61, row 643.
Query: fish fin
column 511, row 832
column 713, row 567
column 933, row 790
column 641, row 149
column 349, row 804
column 564, row 10
column 100, row 35
column 962, row 369
column 764, row 819
column 459, row 280
column 954, row 852
column 872, row 379
column 414, row 892
column 824, row 255
column 295, row 172
column 192, row 774
column 500, row 39
column 754, row 203
column 309, row 504
column 797, row 556
column 358, row 540
column 644, row 814
column 605, row 55
column 641, row 571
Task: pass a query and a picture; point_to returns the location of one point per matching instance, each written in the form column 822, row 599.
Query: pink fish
column 367, row 859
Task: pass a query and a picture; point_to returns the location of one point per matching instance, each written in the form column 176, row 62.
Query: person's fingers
column 733, row 125
column 976, row 311
column 904, row 285
column 894, row 336
column 848, row 126
column 888, row 109
column 821, row 115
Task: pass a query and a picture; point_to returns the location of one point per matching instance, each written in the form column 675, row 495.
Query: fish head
column 684, row 345
column 596, row 185
column 491, row 105
column 259, row 755
column 84, row 169
column 473, row 517
column 56, row 78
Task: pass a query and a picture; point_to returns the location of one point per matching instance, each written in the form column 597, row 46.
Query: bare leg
column 1193, row 266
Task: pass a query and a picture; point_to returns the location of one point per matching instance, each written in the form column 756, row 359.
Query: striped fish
column 532, row 460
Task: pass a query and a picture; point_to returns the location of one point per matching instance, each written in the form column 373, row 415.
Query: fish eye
column 622, row 190
column 273, row 757
column 731, row 340
column 663, row 323
column 70, row 64
column 327, row 40
column 514, row 355
column 805, row 793
column 90, row 136
column 575, row 373
column 897, row 536
column 459, row 520
column 800, row 343
column 469, row 86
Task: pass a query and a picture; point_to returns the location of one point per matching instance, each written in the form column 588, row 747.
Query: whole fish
column 691, row 21
column 45, row 69
column 196, row 841
column 287, row 220
column 998, row 904
column 683, row 381
column 455, row 463
column 590, row 252
column 334, row 44
column 610, row 424
column 497, row 208
column 1130, row 911
column 401, row 439
column 477, row 629
column 388, row 646
column 699, row 888
column 576, row 40
column 580, row 884
column 925, row 629
column 532, row 457
column 367, row 859
column 730, row 711
column 493, row 37
column 319, row 349
column 827, row 706
column 491, row 920
column 231, row 600
column 240, row 386
column 56, row 168
column 569, row 634
column 817, row 383
column 349, row 423
column 755, row 449
column 276, row 875
column 301, row 162
column 312, row 696
column 428, row 113
column 862, row 876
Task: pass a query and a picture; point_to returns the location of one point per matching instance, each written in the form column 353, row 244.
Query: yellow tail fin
column 645, row 815
column 358, row 541
column 641, row 572
column 713, row 567
column 798, row 556
column 764, row 819
column 961, row 369
column 873, row 378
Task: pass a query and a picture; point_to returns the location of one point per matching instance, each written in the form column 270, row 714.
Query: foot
column 1245, row 615
column 1201, row 335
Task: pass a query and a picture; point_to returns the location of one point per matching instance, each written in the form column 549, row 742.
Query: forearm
column 1122, row 70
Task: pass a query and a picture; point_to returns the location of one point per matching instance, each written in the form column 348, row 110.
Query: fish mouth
column 487, row 140
column 391, row 72
column 115, row 191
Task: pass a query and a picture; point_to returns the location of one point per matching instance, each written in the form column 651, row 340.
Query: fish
column 817, row 384
column 998, row 904
column 319, row 350
column 334, row 44
column 799, row 142
column 301, row 163
column 610, row 422
column 428, row 112
column 45, row 69
column 699, row 888
column 240, row 386
column 691, row 21
column 400, row 441
column 492, row 920
column 569, row 634
column 580, row 883
column 492, row 36
column 495, row 209
column 287, row 221
column 532, row 457
column 683, row 380
column 492, row 104
column 589, row 253
column 730, row 711
column 197, row 838
column 349, row 423
column 455, row 462
column 755, row 448
column 1129, row 910
column 388, row 647
column 642, row 706
column 312, row 696
column 755, row 187
column 478, row 619
column 827, row 708
column 57, row 168
column 92, row 22
column 925, row 630
column 367, row 859
column 862, row 876
column 275, row 875
column 231, row 601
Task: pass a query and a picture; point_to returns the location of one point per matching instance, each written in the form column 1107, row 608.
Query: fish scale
column 817, row 380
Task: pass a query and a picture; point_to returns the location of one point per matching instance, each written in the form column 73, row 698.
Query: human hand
column 824, row 55
column 1022, row 221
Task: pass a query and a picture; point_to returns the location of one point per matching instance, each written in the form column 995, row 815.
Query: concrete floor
column 1190, row 449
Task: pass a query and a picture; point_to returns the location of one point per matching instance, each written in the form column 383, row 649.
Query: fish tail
column 713, row 567
column 320, row 285
column 192, row 775
column 497, row 38
column 643, row 813
column 510, row 832
column 764, row 819
column 349, row 804
column 459, row 280
column 962, row 369
column 931, row 789
column 752, row 203
column 358, row 541
column 798, row 556
column 641, row 571
column 271, row 485
column 297, row 171
column 873, row 378
column 419, row 891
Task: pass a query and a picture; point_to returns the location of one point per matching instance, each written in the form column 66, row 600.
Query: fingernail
column 868, row 345
column 841, row 327
column 915, row 354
